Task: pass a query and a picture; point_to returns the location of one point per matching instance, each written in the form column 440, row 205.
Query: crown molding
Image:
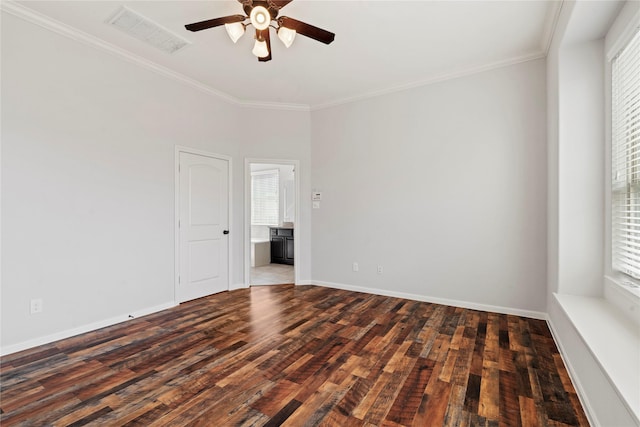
column 433, row 79
column 276, row 106
column 58, row 27
column 551, row 22
column 70, row 32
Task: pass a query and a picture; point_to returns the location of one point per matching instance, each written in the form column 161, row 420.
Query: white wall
column 444, row 186
column 88, row 179
column 581, row 168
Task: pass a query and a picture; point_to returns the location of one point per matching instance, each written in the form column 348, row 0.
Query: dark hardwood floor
column 285, row 355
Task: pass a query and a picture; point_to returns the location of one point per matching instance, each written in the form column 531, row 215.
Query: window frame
column 275, row 172
column 630, row 188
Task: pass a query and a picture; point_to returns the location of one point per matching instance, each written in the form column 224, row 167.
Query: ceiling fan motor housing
column 249, row 5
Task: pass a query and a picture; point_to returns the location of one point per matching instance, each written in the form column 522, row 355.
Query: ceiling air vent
column 146, row 30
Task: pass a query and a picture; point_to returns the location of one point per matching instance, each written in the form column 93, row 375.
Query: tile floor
column 272, row 274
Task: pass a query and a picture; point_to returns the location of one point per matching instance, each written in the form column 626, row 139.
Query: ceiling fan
column 260, row 14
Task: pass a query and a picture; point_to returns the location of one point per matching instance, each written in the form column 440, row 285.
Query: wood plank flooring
column 294, row 356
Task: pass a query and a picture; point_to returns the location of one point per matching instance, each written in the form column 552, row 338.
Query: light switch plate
column 316, row 205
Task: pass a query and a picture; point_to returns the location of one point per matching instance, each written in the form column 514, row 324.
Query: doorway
column 202, row 224
column 271, row 221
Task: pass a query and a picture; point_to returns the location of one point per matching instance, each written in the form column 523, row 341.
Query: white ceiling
column 380, row 46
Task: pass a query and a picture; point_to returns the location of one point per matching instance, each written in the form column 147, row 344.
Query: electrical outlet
column 379, row 269
column 355, row 266
column 36, row 305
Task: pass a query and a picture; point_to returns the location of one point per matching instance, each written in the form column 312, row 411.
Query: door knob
column 225, row 232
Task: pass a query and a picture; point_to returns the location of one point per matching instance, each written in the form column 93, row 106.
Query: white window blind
column 265, row 198
column 625, row 192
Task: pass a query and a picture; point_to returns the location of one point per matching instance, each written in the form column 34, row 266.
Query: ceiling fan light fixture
column 260, row 18
column 263, row 14
column 260, row 49
column 286, row 35
column 235, row 30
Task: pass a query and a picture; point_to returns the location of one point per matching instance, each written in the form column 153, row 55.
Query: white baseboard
column 14, row 348
column 118, row 319
column 575, row 380
column 234, row 286
column 456, row 303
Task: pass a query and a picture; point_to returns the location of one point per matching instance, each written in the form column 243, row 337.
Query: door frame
column 247, row 215
column 176, row 183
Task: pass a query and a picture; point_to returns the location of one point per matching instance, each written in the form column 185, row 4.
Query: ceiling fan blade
column 247, row 5
column 308, row 30
column 267, row 38
column 197, row 26
column 278, row 4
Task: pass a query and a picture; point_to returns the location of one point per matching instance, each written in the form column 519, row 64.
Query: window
column 625, row 168
column 265, row 199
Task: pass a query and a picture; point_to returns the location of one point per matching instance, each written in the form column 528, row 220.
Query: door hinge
column 178, row 279
column 178, row 223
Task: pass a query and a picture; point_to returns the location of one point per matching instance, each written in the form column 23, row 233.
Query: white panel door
column 203, row 226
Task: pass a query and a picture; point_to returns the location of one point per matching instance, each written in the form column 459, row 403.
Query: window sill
column 614, row 341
